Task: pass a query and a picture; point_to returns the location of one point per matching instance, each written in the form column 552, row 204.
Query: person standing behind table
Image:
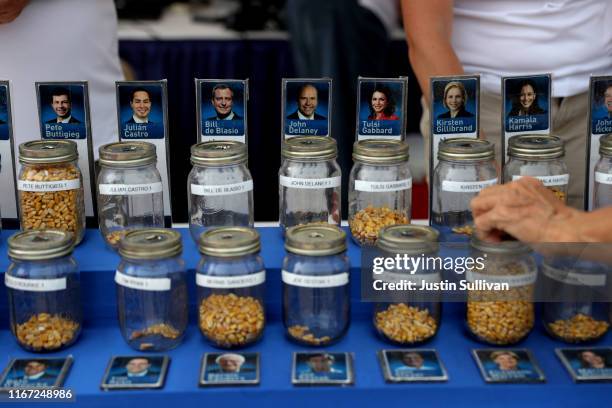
column 502, row 38
column 60, row 40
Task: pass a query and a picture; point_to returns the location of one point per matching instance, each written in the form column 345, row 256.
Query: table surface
column 101, row 339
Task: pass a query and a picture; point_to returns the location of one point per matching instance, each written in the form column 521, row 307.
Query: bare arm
column 10, row 9
column 428, row 25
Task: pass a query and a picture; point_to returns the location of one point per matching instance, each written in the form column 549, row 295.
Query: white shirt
column 228, row 117
column 62, row 40
column 571, row 39
column 304, row 117
column 66, row 120
column 138, row 120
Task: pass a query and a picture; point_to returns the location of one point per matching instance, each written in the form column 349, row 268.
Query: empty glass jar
column 130, row 192
column 603, row 174
column 50, row 187
column 231, row 279
column 44, row 292
column 152, row 289
column 575, row 316
column 309, row 182
column 380, row 188
column 465, row 167
column 501, row 317
column 316, row 296
column 417, row 318
column 220, row 187
column 541, row 157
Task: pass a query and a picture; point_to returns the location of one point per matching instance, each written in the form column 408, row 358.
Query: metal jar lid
column 408, row 239
column 38, row 245
column 605, row 145
column 227, row 242
column 315, row 240
column 310, row 148
column 150, row 244
column 218, row 153
column 380, row 151
column 538, row 147
column 466, row 149
column 47, row 151
column 127, row 154
column 509, row 247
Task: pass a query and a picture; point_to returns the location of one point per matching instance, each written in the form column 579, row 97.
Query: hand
column 10, row 9
column 524, row 209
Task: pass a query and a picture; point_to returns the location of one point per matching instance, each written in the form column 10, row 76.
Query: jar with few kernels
column 541, row 157
column 411, row 318
column 500, row 317
column 152, row 289
column 380, row 188
column 230, row 280
column 316, row 291
column 578, row 313
column 50, row 187
column 44, row 292
column 602, row 192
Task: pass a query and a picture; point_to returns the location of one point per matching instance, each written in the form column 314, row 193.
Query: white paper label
column 603, row 178
column 130, row 189
column 133, row 282
column 310, row 183
column 573, row 278
column 230, row 282
column 417, row 278
column 34, row 285
column 383, row 186
column 220, row 190
column 549, row 181
column 46, row 186
column 513, row 281
column 308, row 281
column 467, row 186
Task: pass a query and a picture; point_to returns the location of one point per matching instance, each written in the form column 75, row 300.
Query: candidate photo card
column 231, row 368
column 322, row 368
column 142, row 113
column 526, row 106
column 586, row 364
column 63, row 112
column 599, row 124
column 508, row 366
column 306, row 107
column 222, row 109
column 381, row 108
column 35, row 373
column 412, row 365
column 455, row 110
column 8, row 198
column 135, row 372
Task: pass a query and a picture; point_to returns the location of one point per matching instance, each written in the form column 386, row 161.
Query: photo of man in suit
column 223, row 101
column 61, row 103
column 35, row 375
column 307, row 101
column 607, row 100
column 140, row 102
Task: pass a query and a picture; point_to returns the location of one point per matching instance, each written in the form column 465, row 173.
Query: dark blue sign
column 141, row 111
column 62, row 111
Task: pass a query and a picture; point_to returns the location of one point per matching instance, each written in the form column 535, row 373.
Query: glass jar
column 574, row 316
column 220, row 187
column 501, row 317
column 417, row 319
column 380, row 188
column 465, row 167
column 316, row 296
column 603, row 174
column 130, row 192
column 50, row 187
column 152, row 289
column 231, row 279
column 541, row 157
column 44, row 292
column 309, row 182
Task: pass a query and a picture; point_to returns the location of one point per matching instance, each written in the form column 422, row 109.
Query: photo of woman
column 455, row 98
column 525, row 101
column 382, row 104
